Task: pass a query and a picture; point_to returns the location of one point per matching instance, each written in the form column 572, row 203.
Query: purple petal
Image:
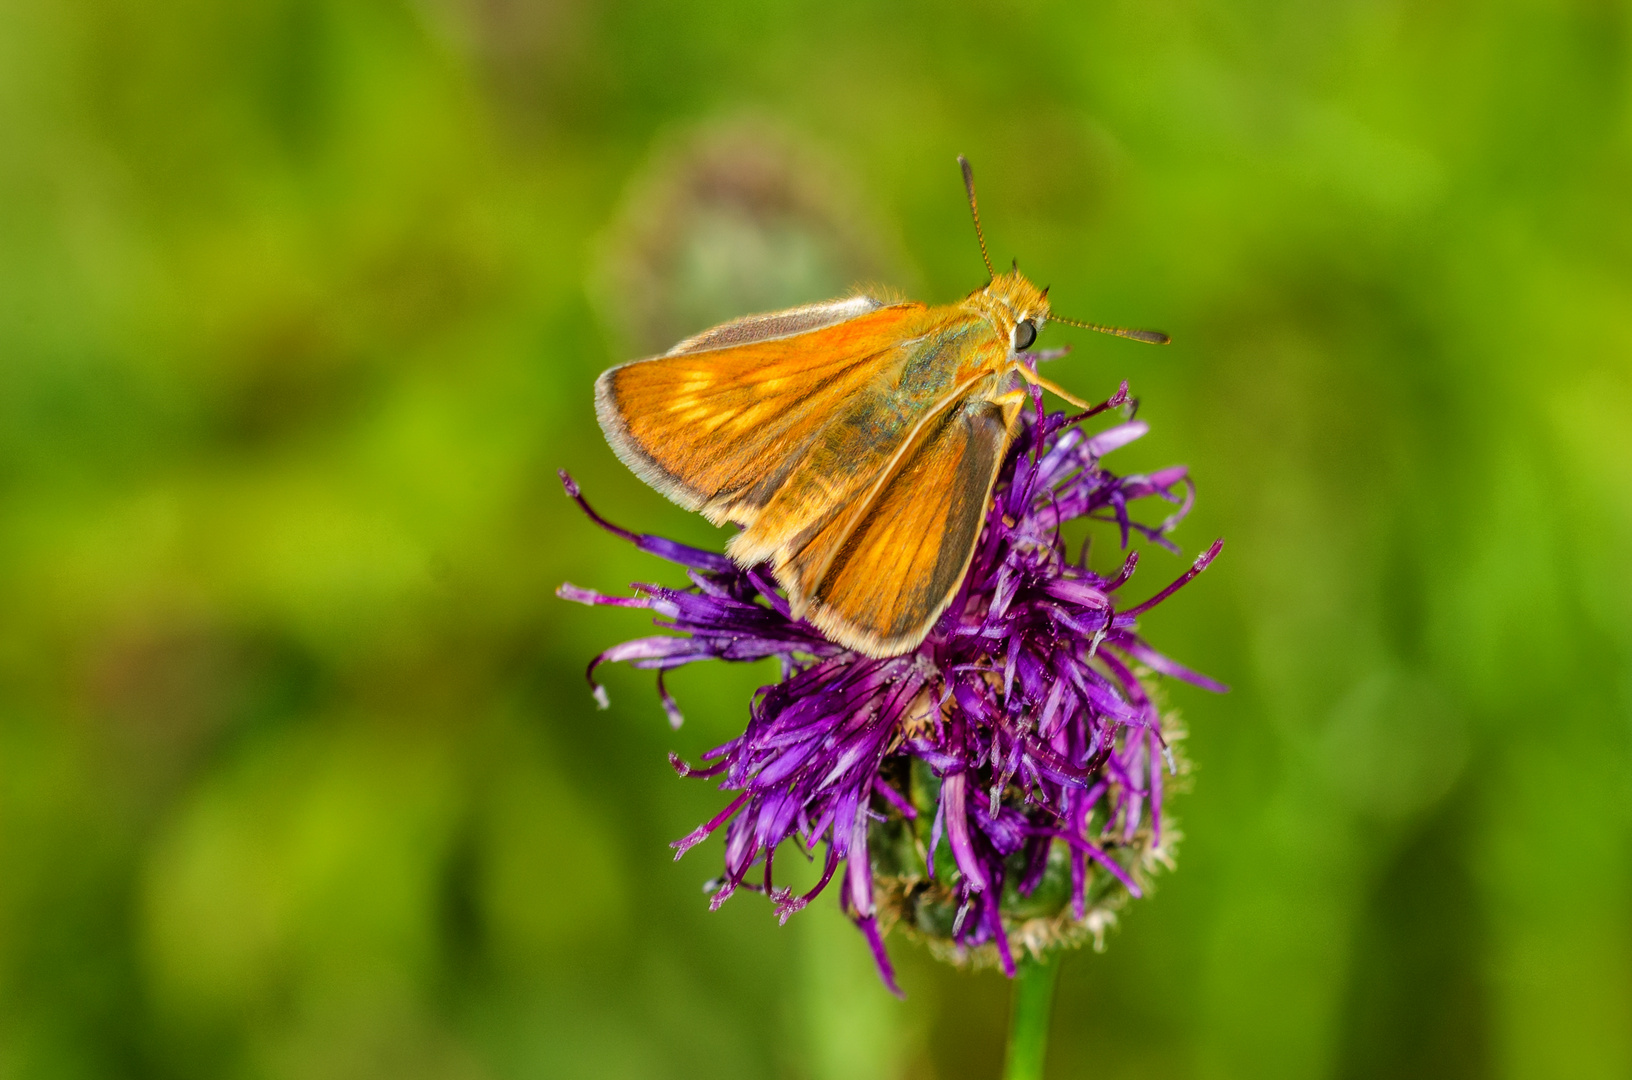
column 886, row 971
column 1202, row 562
column 1117, row 437
column 1157, row 662
column 957, row 829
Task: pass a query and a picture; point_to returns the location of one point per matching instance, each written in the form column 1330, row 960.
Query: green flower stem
column 1028, row 1024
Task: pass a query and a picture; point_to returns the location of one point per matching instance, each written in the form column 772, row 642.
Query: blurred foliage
column 300, row 305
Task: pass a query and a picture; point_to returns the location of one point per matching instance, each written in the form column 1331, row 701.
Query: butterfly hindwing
column 817, row 497
column 900, row 565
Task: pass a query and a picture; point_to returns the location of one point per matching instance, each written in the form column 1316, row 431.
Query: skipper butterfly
column 856, row 442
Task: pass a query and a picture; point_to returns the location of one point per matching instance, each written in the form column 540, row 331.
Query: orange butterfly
column 856, row 442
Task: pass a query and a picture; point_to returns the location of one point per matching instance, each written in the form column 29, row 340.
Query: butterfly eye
column 1024, row 334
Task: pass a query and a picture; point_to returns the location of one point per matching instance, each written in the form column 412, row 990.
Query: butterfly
column 856, row 442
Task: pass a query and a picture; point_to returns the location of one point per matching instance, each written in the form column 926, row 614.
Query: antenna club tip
column 974, row 212
column 1149, row 337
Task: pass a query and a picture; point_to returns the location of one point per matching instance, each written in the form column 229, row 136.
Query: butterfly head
column 1017, row 309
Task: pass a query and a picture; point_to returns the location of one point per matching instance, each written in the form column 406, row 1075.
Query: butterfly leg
column 1011, row 403
column 1037, row 380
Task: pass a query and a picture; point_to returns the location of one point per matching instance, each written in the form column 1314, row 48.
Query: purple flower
column 1002, row 785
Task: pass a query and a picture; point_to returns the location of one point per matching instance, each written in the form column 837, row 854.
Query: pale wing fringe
column 753, row 329
column 630, row 452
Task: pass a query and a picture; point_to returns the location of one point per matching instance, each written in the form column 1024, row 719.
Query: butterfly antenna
column 974, row 212
column 1150, row 337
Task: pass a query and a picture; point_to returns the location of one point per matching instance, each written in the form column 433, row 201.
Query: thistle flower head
column 1001, row 786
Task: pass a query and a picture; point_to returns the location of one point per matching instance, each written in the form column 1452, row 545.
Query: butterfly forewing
column 778, row 324
column 718, row 429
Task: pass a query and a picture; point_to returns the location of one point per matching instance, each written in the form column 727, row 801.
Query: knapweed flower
column 999, row 787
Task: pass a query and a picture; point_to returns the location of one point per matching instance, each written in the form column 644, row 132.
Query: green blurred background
column 300, row 306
